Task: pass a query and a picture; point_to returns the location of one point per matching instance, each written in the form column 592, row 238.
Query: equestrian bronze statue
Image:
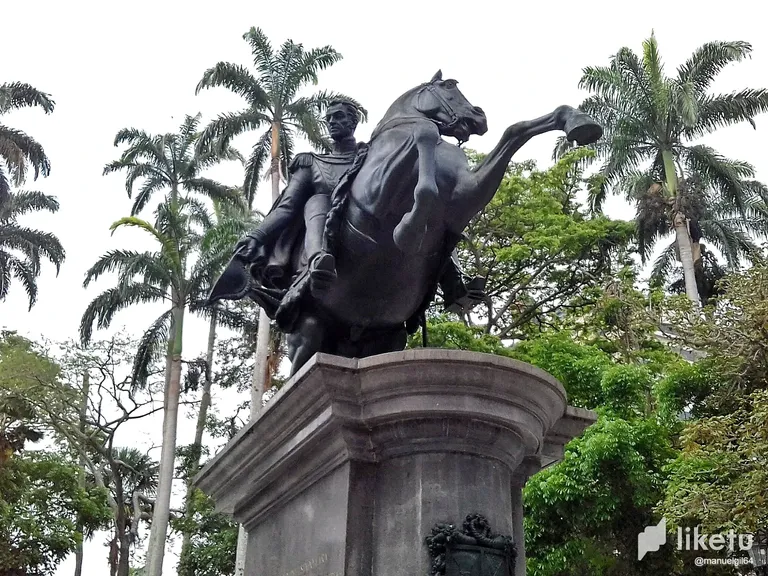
column 352, row 253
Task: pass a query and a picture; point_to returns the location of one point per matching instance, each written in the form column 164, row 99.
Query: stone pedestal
column 352, row 463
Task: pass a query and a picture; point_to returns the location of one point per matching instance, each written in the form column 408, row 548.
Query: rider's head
column 342, row 117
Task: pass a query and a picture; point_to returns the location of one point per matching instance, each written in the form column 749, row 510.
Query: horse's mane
column 395, row 109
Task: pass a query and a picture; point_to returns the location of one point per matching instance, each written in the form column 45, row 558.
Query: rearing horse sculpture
column 396, row 217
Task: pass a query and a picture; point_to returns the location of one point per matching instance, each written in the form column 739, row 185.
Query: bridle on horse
column 442, row 126
column 446, row 108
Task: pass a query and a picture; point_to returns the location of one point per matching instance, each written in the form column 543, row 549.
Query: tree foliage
column 25, row 373
column 19, row 151
column 170, row 162
column 537, row 249
column 651, row 154
column 720, row 479
column 732, row 336
column 273, row 103
column 42, row 512
column 213, row 539
column 22, row 249
column 584, row 513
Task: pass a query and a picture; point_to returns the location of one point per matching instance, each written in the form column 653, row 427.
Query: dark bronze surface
column 353, row 251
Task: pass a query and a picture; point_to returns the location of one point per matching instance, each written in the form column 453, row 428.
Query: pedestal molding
column 336, row 410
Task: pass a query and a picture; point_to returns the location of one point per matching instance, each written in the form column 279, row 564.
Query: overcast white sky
column 112, row 65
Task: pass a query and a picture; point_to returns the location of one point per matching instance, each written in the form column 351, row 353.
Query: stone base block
column 353, row 462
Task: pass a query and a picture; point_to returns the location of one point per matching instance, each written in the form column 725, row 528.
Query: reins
column 442, row 126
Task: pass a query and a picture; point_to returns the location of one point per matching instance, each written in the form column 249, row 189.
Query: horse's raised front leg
column 476, row 188
column 410, row 232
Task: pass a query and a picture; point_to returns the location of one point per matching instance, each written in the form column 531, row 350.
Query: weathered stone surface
column 353, row 461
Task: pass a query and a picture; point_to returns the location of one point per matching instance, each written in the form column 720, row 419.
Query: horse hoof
column 583, row 129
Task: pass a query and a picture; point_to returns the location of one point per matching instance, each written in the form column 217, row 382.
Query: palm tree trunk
column 82, row 463
column 685, row 249
column 157, row 537
column 260, row 382
column 202, row 415
column 698, row 263
column 682, row 234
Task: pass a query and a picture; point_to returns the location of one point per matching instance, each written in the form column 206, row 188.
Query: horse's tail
column 339, row 199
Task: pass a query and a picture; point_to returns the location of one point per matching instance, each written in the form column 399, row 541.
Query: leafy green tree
column 19, row 151
column 85, row 406
column 584, row 513
column 25, row 373
column 537, row 250
column 651, row 122
column 41, row 505
column 212, row 543
column 719, row 479
column 44, row 511
column 445, row 332
column 22, row 248
column 730, row 336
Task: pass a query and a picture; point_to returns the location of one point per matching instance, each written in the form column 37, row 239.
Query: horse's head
column 442, row 101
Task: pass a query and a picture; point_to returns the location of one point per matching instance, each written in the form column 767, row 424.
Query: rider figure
column 313, row 179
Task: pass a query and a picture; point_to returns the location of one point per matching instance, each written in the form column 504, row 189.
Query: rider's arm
column 290, row 204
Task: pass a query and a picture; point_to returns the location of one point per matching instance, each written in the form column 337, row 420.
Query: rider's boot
column 322, row 265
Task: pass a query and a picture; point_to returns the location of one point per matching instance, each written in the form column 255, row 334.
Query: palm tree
column 17, row 149
column 22, row 248
column 651, row 122
column 272, row 104
column 164, row 275
column 230, row 223
column 730, row 231
column 172, row 163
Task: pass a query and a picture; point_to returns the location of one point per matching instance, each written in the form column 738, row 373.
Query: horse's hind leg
column 306, row 341
column 410, row 232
